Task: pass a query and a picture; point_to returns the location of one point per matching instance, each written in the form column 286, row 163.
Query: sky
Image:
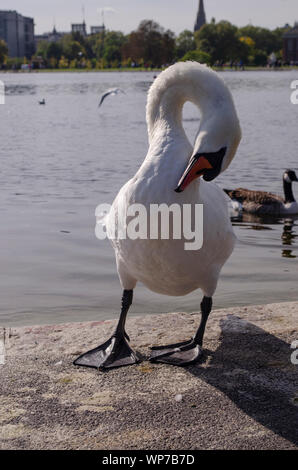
column 177, row 15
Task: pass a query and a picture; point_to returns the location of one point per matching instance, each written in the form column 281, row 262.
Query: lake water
column 59, row 161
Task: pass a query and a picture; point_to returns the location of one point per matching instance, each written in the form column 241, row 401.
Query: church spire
column 201, row 16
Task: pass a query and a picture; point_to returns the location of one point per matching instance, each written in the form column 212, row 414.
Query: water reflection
column 289, row 237
column 51, row 158
column 57, row 88
column 143, row 86
column 20, row 89
column 289, row 233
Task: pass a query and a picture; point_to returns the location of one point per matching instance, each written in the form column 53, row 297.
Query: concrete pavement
column 243, row 394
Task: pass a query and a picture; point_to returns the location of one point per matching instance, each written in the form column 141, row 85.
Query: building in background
column 18, row 33
column 97, row 29
column 52, row 36
column 79, row 28
column 290, row 49
column 201, row 16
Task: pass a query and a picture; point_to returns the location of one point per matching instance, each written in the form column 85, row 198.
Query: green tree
column 150, row 44
column 167, row 47
column 264, row 39
column 112, row 47
column 86, row 44
column 3, row 51
column 259, row 58
column 185, row 42
column 54, row 51
column 71, row 49
column 197, row 56
column 221, row 41
column 42, row 49
column 96, row 43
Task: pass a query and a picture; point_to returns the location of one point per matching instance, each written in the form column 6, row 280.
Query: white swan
column 164, row 266
column 263, row 203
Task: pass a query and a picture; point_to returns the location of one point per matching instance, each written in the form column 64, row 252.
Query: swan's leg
column 188, row 352
column 115, row 352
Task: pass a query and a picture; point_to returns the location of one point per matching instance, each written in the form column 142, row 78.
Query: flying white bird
column 110, row 91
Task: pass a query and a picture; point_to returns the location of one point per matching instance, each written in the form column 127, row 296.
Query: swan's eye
column 215, row 159
column 207, row 165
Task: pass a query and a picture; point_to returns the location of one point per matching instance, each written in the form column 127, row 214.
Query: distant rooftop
column 292, row 33
column 201, row 16
column 12, row 11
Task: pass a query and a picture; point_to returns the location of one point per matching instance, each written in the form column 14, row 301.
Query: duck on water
column 171, row 174
column 264, row 203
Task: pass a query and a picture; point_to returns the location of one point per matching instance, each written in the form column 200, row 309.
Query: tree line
column 151, row 46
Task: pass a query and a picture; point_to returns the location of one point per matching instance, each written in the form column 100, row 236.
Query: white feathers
column 163, row 265
column 190, row 81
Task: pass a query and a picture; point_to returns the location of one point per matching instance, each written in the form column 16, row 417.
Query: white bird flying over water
column 110, row 91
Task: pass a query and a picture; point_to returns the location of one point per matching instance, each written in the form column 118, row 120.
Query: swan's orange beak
column 196, row 168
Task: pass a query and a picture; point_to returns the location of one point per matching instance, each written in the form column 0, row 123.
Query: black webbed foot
column 179, row 354
column 188, row 352
column 115, row 352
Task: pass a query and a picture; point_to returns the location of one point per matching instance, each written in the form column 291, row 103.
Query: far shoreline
column 142, row 69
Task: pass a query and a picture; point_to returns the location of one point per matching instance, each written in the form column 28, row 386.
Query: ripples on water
column 59, row 161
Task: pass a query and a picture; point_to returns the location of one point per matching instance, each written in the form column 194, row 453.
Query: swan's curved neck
column 164, row 110
column 167, row 112
column 289, row 196
column 179, row 84
column 219, row 124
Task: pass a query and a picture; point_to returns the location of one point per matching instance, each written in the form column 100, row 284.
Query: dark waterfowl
column 263, row 203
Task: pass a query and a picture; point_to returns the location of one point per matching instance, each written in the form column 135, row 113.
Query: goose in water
column 262, row 203
column 170, row 174
column 111, row 91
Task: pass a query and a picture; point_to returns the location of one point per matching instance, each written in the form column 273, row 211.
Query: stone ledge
column 243, row 395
